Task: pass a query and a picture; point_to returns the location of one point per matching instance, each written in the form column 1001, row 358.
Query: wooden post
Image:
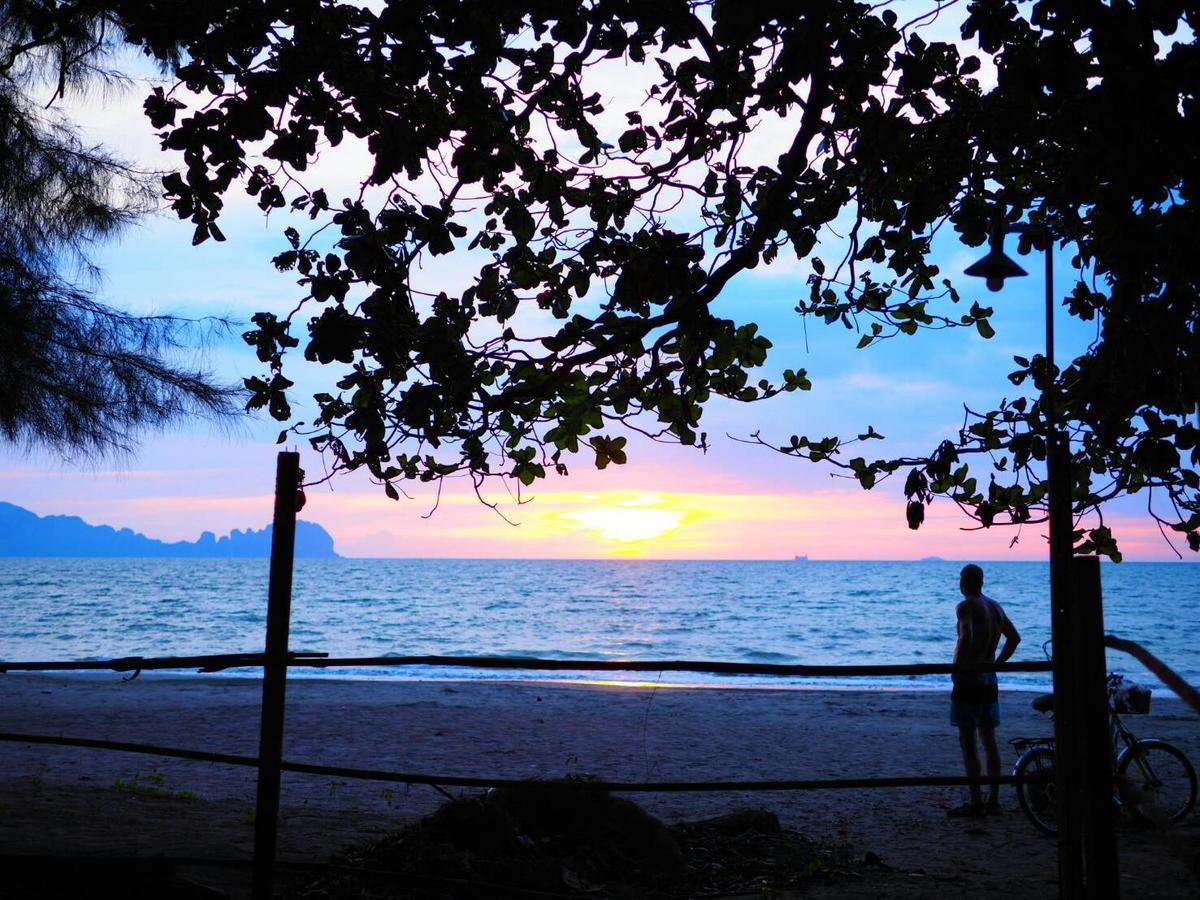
column 1094, row 761
column 279, row 611
column 1067, row 774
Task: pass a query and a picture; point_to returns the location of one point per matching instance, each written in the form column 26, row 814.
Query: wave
column 748, row 654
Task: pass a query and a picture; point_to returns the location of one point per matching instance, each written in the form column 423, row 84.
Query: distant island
column 23, row 533
column 931, row 559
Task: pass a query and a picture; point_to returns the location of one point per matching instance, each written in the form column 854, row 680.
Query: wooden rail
column 666, row 665
column 219, row 662
column 643, row 787
column 213, row 662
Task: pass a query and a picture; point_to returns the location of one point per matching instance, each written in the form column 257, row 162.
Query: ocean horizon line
column 342, row 557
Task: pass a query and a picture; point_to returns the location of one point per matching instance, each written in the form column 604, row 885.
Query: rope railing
column 220, row 662
column 223, row 661
column 709, row 667
column 410, row 778
column 212, row 662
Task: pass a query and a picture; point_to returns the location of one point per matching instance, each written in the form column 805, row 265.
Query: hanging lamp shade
column 995, row 266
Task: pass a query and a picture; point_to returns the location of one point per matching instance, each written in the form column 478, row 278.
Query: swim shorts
column 974, row 702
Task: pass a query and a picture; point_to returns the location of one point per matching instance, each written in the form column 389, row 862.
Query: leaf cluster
column 591, row 243
column 487, row 141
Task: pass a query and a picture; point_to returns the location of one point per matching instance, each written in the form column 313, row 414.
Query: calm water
column 785, row 612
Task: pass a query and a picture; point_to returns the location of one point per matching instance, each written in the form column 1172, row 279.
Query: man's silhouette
column 974, row 703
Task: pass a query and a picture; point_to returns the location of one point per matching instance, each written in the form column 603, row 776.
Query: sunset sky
column 736, row 501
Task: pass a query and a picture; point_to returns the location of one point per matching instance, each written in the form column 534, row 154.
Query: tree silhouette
column 75, row 375
column 591, row 232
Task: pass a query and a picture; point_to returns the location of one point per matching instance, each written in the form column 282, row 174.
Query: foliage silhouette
column 75, row 375
column 589, row 244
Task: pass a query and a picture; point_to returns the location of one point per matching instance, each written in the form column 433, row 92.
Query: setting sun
column 626, row 524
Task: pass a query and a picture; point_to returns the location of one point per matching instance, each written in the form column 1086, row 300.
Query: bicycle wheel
column 1039, row 800
column 1157, row 782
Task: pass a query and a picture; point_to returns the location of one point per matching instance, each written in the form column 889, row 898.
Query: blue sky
column 735, row 501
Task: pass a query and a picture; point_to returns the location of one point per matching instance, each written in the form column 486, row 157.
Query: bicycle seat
column 1043, row 703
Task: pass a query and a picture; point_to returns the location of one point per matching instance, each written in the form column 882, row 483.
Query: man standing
column 974, row 702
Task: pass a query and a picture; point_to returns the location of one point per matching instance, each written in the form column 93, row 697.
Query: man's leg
column 970, row 754
column 988, row 735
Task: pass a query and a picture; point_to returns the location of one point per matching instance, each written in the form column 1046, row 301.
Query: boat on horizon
column 800, row 558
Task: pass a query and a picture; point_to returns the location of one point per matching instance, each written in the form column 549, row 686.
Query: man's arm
column 1012, row 637
column 964, row 630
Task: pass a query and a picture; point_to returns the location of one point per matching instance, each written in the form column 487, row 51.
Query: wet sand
column 71, row 801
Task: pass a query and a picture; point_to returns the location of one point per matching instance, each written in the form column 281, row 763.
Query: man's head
column 970, row 580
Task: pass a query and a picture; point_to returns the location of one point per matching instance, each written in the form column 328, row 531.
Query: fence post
column 1098, row 843
column 279, row 611
column 1066, row 732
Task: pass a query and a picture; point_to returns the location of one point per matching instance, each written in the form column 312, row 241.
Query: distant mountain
column 23, row 533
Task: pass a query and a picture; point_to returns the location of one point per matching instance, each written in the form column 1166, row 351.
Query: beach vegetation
column 511, row 226
column 155, row 785
column 334, row 784
column 571, row 766
column 78, row 376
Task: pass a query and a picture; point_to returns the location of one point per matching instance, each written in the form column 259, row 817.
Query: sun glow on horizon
column 630, row 521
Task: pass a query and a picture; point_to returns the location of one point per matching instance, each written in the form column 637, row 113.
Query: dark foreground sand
column 57, row 800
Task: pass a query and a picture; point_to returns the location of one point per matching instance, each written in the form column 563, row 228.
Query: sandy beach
column 70, row 801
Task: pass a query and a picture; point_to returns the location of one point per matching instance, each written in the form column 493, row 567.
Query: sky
column 737, row 501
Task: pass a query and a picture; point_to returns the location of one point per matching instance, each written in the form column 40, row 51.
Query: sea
column 796, row 612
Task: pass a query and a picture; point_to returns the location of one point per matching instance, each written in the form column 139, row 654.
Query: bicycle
column 1153, row 779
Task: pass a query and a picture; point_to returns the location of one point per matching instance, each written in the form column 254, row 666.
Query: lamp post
column 995, row 267
column 1087, row 857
